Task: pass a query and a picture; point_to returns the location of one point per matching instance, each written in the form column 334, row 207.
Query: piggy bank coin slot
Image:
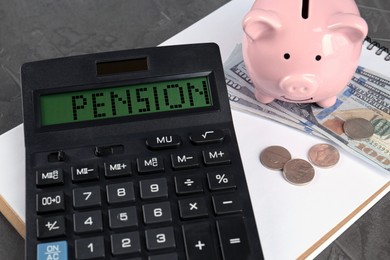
column 305, row 9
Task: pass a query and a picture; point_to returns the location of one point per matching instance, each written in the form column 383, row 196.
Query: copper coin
column 274, row 157
column 298, row 172
column 324, row 155
column 358, row 128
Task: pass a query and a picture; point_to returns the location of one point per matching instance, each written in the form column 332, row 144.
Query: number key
column 86, row 197
column 120, row 192
column 157, row 212
column 160, row 238
column 154, row 188
column 88, row 221
column 89, row 248
column 125, row 243
column 122, row 217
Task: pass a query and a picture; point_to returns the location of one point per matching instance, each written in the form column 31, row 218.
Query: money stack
column 359, row 122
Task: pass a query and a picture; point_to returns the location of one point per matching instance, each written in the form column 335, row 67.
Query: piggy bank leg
column 327, row 102
column 263, row 98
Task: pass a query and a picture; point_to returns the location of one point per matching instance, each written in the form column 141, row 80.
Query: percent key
column 221, row 180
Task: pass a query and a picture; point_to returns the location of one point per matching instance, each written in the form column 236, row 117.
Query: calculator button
column 123, row 217
column 187, row 184
column 198, row 242
column 193, row 208
column 216, row 157
column 157, row 212
column 221, row 180
column 49, row 177
column 206, row 137
column 53, row 250
column 160, row 238
column 90, row 221
column 226, row 203
column 154, row 188
column 86, row 197
column 117, row 168
column 150, row 164
column 172, row 256
column 182, row 161
column 120, row 192
column 163, row 142
column 50, row 227
column 89, row 248
column 51, row 201
column 125, row 243
column 233, row 238
column 84, row 173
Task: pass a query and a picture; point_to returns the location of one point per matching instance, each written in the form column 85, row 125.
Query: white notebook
column 375, row 57
column 328, row 205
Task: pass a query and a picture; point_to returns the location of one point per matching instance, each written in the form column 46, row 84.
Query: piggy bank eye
column 286, row 56
column 318, row 57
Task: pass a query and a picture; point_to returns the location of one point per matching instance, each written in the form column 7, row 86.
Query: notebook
column 274, row 200
column 375, row 57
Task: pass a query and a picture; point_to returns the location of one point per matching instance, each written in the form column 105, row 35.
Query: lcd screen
column 127, row 100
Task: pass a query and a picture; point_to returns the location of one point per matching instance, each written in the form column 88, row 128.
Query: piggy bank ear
column 351, row 26
column 260, row 23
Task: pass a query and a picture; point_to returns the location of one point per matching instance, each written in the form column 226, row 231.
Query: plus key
column 199, row 244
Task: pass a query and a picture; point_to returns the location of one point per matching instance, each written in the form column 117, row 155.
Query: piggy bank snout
column 299, row 85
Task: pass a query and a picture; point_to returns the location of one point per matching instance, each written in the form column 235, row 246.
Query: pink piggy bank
column 302, row 51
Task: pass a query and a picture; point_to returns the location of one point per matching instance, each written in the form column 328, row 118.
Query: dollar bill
column 366, row 96
column 358, row 100
column 241, row 103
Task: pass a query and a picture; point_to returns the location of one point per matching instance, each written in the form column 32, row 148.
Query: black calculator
column 133, row 155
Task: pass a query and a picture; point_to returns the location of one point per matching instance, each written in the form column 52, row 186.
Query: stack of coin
column 299, row 171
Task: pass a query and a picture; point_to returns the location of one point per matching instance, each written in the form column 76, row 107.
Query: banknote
column 241, row 103
column 249, row 96
column 358, row 100
column 366, row 96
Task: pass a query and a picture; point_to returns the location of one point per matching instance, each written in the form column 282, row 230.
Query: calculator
column 132, row 155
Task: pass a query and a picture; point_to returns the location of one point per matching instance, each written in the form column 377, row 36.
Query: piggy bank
column 302, row 51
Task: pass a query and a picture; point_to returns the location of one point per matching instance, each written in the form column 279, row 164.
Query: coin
column 324, row 155
column 274, row 157
column 298, row 172
column 358, row 128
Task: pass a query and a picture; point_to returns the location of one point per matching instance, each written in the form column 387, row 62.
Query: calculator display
column 128, row 100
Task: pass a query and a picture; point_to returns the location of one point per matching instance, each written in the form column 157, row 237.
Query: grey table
column 40, row 29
